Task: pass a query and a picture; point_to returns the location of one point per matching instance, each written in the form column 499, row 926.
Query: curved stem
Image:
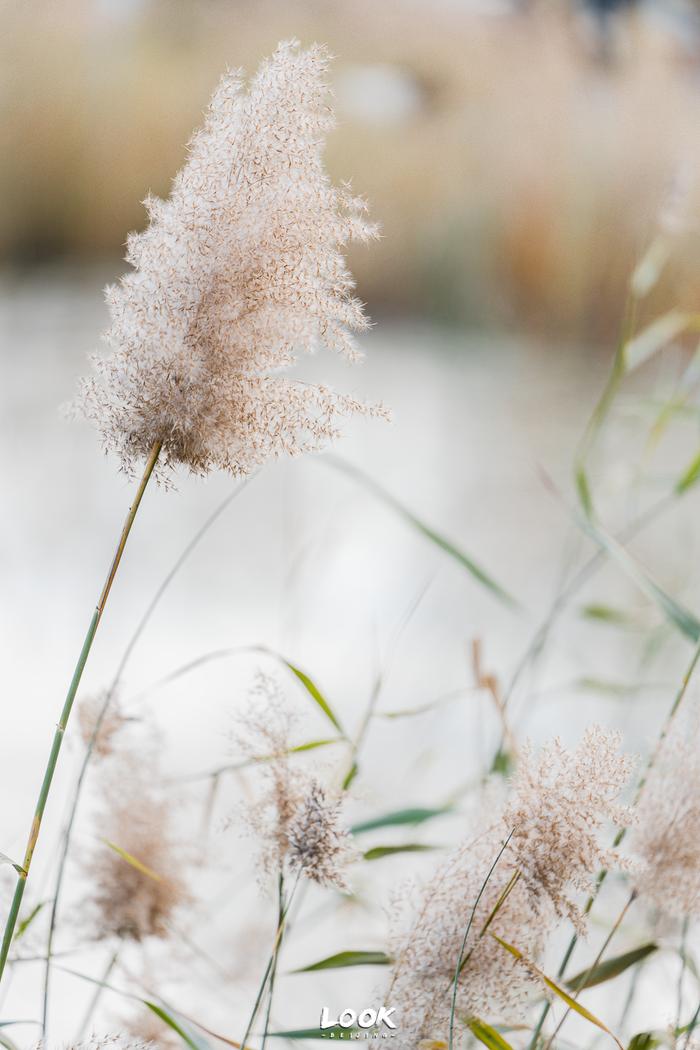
column 23, row 871
column 109, row 696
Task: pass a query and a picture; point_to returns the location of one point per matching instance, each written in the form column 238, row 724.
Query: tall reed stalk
column 23, row 871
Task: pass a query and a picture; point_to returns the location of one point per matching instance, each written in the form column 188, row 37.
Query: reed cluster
column 237, row 273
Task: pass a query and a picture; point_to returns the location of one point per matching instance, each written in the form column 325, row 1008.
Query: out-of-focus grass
column 516, row 180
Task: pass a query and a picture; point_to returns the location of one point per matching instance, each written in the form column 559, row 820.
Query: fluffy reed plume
column 238, row 271
column 294, row 819
column 667, row 839
column 558, row 802
column 113, row 721
column 135, row 898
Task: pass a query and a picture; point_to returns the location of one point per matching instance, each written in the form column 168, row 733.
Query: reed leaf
column 349, row 958
column 690, row 475
column 379, row 852
column 315, row 694
column 644, row 1041
column 134, row 862
column 674, row 612
column 606, row 971
column 488, row 1035
column 4, row 859
column 656, row 336
column 24, row 924
column 416, row 815
column 436, row 538
column 194, row 1042
column 560, row 992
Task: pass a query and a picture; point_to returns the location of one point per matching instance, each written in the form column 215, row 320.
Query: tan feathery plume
column 112, row 723
column 666, row 840
column 136, row 871
column 558, row 804
column 295, row 820
column 239, row 270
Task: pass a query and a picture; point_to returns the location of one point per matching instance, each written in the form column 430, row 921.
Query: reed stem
column 23, row 871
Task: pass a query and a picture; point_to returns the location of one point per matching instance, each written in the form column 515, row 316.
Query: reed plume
column 295, row 820
column 559, row 801
column 110, row 724
column 137, row 870
column 239, row 270
column 666, row 841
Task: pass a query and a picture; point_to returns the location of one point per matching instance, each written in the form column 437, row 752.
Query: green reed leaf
column 436, row 538
column 656, row 336
column 24, row 925
column 690, row 475
column 608, row 614
column 674, row 612
column 378, row 852
column 417, row 815
column 350, row 775
column 610, row 968
column 488, row 1035
column 195, row 1042
column 644, row 1041
column 315, row 694
column 349, row 958
column 134, row 862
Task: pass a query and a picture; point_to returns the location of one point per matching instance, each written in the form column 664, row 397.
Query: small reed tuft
column 135, row 901
column 295, row 820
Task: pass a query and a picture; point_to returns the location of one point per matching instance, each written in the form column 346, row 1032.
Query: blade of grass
column 560, row 992
column 193, row 1042
column 674, row 612
column 417, row 815
column 133, row 862
column 436, row 538
column 611, row 968
column 379, row 852
column 488, row 1035
column 350, row 958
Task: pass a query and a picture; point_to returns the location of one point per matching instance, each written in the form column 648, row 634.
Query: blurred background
column 516, row 153
column 522, row 158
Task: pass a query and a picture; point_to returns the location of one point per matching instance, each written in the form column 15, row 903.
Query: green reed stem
column 602, row 875
column 273, row 972
column 23, row 871
column 271, row 963
column 140, row 627
column 94, row 1002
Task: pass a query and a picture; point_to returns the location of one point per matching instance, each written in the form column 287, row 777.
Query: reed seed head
column 294, row 818
column 135, row 899
column 558, row 803
column 113, row 721
column 666, row 840
column 236, row 273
